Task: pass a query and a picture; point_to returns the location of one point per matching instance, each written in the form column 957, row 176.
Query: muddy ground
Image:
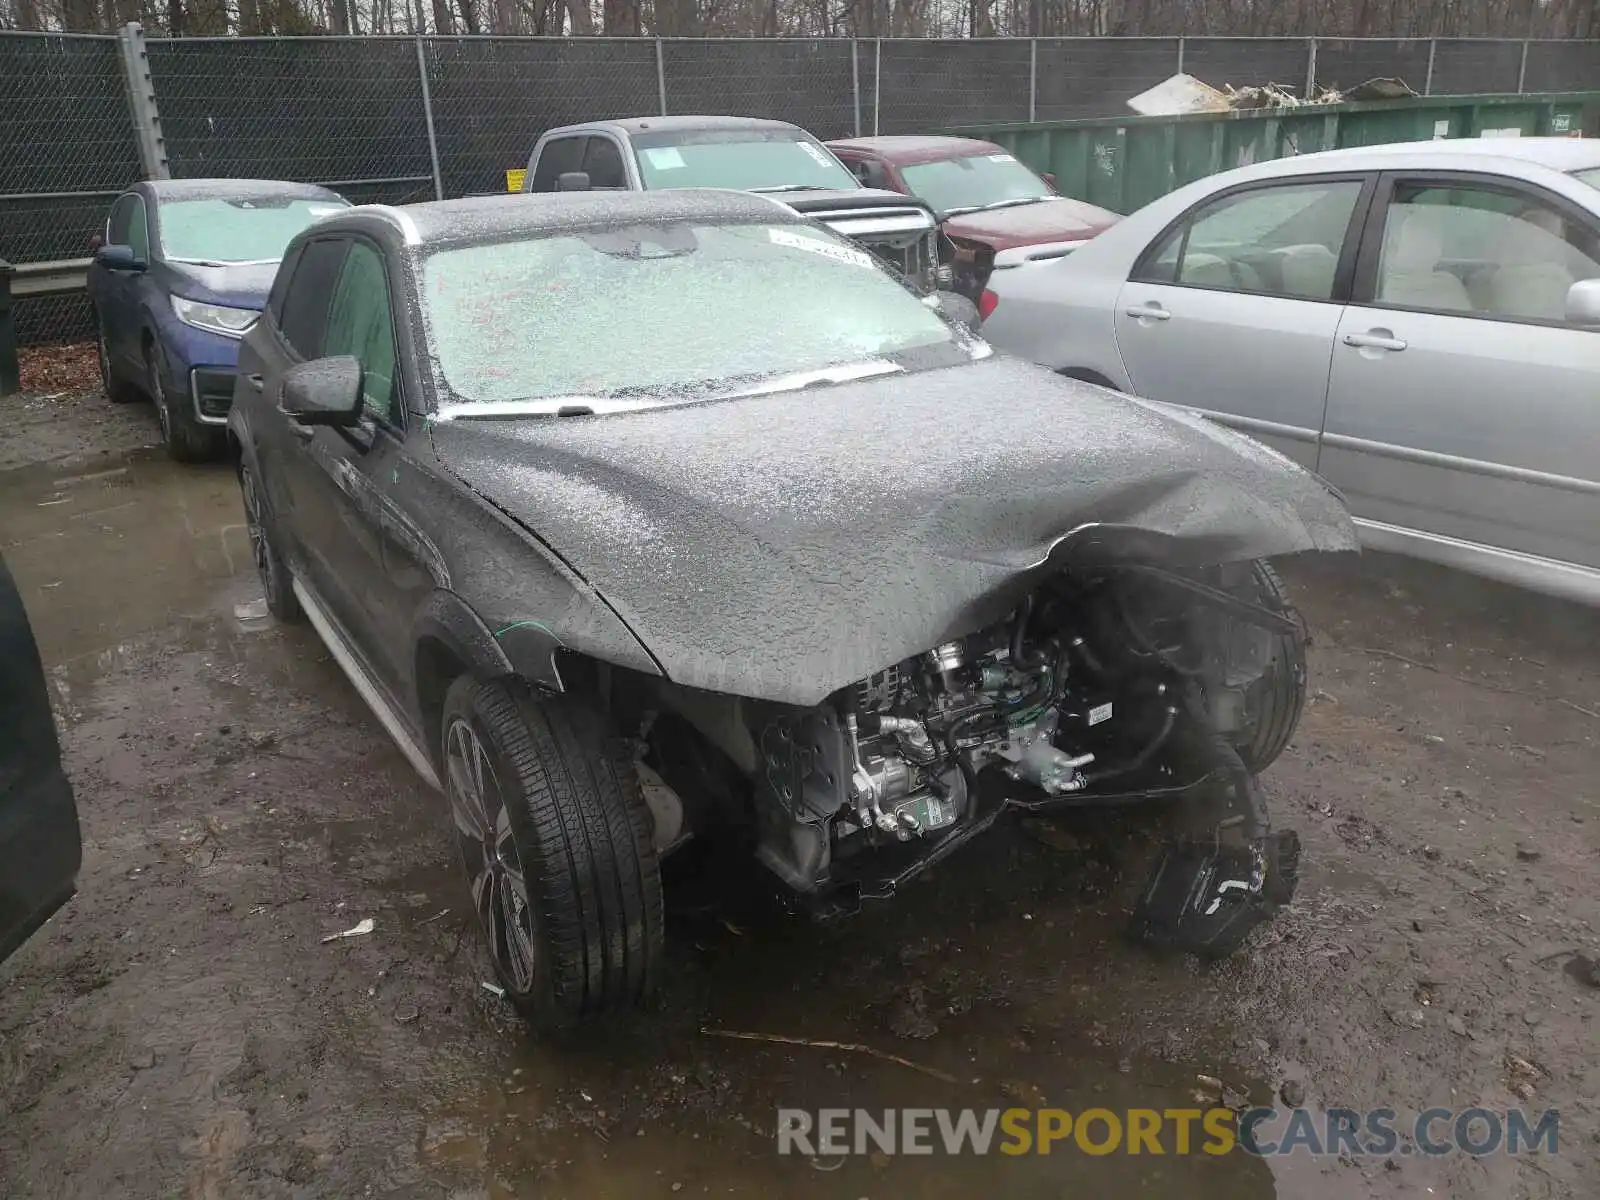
column 182, row 1030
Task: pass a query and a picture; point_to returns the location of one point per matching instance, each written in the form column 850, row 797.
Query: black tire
column 577, row 833
column 115, row 389
column 276, row 581
column 187, row 441
column 1279, row 697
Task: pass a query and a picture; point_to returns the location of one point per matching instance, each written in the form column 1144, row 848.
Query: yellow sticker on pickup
column 514, row 178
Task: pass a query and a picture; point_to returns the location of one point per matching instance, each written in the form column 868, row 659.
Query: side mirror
column 1583, row 303
column 119, row 258
column 324, row 391
column 572, row 181
column 955, row 308
column 1050, row 178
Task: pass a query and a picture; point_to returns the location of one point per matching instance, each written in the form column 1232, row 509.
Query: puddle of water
column 655, row 1102
column 556, row 1137
column 105, row 557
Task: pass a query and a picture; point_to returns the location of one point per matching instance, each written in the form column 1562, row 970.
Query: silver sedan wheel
column 494, row 868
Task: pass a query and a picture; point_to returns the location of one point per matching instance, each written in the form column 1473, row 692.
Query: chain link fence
column 1472, row 65
column 493, row 97
column 808, row 82
column 1092, row 77
column 1345, row 62
column 1244, row 61
column 341, row 111
column 66, row 148
column 397, row 119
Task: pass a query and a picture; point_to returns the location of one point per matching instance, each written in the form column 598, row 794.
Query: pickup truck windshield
column 973, row 182
column 665, row 313
column 236, row 231
column 741, row 159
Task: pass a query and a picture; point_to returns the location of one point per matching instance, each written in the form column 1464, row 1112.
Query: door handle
column 1376, row 339
column 1148, row 312
column 256, row 382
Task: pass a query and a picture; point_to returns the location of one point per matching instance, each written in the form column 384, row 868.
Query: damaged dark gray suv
column 637, row 518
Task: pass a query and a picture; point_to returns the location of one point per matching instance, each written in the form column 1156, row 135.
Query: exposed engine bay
column 1137, row 683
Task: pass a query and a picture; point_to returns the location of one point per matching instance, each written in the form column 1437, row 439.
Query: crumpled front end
column 783, row 546
column 899, row 230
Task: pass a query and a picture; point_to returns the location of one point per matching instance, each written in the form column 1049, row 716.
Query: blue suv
column 182, row 271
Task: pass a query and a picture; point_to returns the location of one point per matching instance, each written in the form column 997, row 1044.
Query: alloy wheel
column 105, row 362
column 498, row 883
column 158, row 394
column 258, row 535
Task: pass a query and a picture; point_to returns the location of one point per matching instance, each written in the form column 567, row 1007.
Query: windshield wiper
column 1015, row 203
column 965, row 209
column 633, row 398
column 823, row 377
column 553, row 406
column 790, row 187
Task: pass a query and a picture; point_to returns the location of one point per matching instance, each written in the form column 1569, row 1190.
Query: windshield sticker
column 799, row 241
column 324, row 210
column 1001, row 158
column 664, row 158
column 818, row 154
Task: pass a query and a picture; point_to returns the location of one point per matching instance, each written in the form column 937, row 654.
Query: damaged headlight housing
column 215, row 318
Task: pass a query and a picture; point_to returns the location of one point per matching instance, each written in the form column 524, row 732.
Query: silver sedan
column 1419, row 322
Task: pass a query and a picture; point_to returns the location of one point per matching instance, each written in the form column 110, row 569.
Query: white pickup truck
column 748, row 155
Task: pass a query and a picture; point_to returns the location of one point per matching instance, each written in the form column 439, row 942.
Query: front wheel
column 1277, row 699
column 556, row 841
column 115, row 389
column 187, row 441
column 276, row 582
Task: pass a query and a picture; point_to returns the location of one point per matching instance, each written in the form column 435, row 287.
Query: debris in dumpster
column 1178, row 94
column 1181, row 94
column 1268, row 95
column 1385, row 87
column 365, row 927
column 494, row 989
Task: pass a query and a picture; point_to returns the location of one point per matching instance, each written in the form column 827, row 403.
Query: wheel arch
column 451, row 640
column 1086, row 375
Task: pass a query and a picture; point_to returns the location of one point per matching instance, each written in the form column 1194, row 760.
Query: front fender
column 449, row 620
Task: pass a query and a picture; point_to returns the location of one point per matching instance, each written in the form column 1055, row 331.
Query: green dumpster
column 1122, row 163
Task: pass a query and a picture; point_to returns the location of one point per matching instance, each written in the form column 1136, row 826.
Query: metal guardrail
column 49, row 278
